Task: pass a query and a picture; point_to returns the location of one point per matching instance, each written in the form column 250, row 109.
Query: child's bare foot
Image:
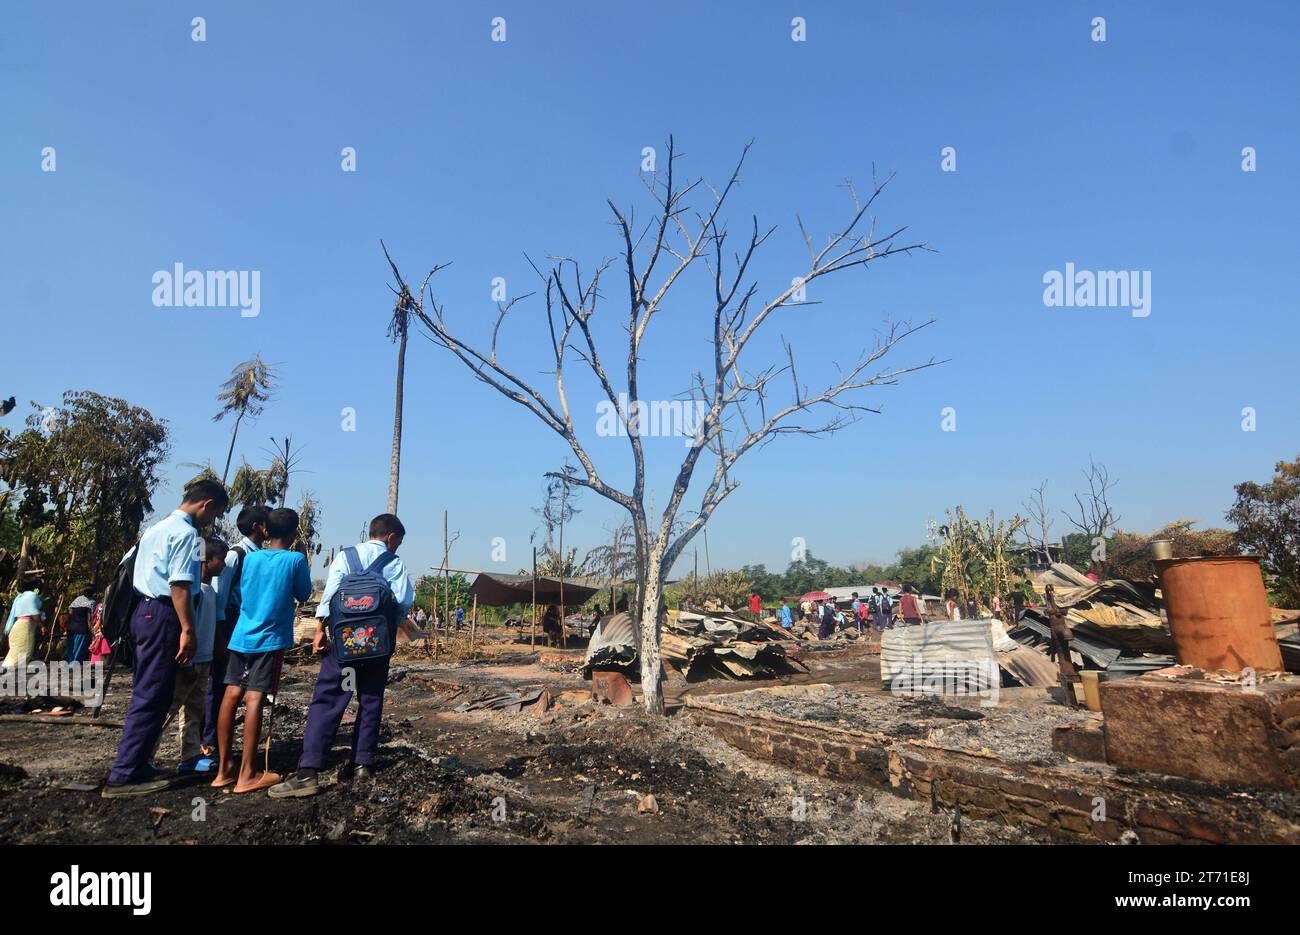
column 257, row 782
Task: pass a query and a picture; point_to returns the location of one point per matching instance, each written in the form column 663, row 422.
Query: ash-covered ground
column 580, row 772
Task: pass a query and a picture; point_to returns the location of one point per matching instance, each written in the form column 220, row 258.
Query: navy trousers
column 330, row 700
column 156, row 632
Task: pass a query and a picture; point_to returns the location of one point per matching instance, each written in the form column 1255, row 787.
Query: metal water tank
column 1218, row 613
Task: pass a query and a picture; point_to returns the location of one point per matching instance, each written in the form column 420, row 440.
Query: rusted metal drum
column 1218, row 613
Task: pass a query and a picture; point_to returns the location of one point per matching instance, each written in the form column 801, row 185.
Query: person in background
column 191, row 695
column 857, row 607
column 460, row 617
column 951, row 605
column 862, row 611
column 755, row 605
column 99, row 648
column 79, row 613
column 879, row 620
column 551, row 631
column 995, row 605
column 784, row 616
column 273, row 578
column 24, row 625
column 826, row 617
column 910, row 607
column 168, row 566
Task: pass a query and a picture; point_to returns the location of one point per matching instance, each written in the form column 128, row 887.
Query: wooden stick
column 473, row 623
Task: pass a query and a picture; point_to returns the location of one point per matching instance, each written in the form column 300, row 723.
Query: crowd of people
column 878, row 610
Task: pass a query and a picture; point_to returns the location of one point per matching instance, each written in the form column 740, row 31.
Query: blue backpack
column 363, row 614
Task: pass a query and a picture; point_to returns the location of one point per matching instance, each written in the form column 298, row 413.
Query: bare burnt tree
column 738, row 407
column 1095, row 517
column 1038, row 529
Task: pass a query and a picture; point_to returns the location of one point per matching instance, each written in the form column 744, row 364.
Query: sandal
column 264, row 780
column 221, row 783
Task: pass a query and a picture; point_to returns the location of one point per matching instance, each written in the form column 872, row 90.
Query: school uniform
column 170, row 552
column 227, row 590
column 330, row 699
column 271, row 581
column 827, row 627
column 881, row 612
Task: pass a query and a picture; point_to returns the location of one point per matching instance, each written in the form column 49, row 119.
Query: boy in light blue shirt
column 273, row 578
column 167, row 575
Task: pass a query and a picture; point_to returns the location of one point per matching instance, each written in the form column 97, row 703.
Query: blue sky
column 225, row 154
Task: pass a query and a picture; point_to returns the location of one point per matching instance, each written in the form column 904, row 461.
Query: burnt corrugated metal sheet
column 948, row 655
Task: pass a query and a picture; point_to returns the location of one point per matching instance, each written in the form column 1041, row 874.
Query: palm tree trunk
column 396, row 466
column 231, row 453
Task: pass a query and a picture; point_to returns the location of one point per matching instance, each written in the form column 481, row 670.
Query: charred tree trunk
column 231, row 452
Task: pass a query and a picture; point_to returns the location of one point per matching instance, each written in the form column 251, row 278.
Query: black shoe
column 115, row 790
column 363, row 773
column 300, row 784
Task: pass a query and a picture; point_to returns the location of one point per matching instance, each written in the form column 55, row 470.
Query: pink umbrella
column 815, row 596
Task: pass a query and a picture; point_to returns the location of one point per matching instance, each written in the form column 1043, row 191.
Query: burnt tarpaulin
column 496, row 590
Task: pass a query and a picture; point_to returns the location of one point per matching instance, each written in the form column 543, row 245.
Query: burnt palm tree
column 405, row 305
column 245, row 394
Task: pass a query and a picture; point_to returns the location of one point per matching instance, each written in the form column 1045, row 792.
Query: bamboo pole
column 534, row 637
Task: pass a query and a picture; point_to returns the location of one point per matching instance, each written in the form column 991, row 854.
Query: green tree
column 82, row 476
column 1267, row 517
column 916, row 567
column 436, row 592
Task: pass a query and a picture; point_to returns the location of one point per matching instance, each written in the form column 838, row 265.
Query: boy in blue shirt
column 252, row 525
column 273, row 578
